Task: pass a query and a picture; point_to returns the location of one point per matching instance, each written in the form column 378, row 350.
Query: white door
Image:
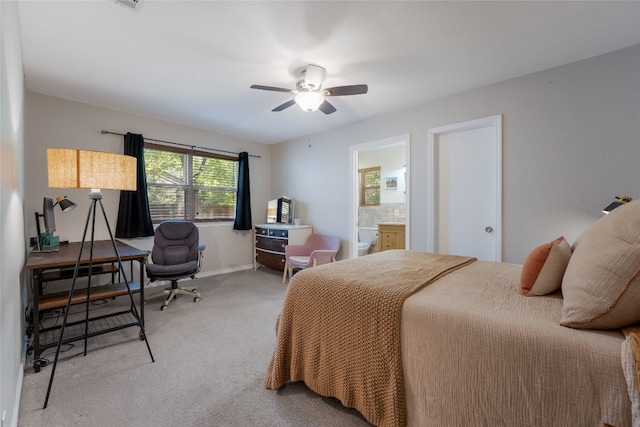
column 466, row 189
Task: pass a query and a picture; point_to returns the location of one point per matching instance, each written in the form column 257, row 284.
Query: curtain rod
column 183, row 145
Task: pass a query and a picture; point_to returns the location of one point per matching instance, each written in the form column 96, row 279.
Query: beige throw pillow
column 601, row 287
column 544, row 267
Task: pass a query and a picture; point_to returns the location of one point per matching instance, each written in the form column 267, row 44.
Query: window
column 190, row 185
column 369, row 186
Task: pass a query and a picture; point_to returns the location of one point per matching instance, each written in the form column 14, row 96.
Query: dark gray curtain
column 134, row 216
column 243, row 198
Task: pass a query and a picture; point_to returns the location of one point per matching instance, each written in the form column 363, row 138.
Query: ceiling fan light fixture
column 308, row 93
column 309, row 101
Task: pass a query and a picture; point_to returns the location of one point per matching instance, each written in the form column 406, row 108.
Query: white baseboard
column 225, row 270
column 13, row 422
column 203, row 274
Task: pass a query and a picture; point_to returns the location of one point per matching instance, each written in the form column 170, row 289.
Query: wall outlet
column 397, row 212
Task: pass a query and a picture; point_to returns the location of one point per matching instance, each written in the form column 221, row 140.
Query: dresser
column 270, row 240
column 391, row 236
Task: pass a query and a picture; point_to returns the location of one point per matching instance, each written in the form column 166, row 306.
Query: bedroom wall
column 12, row 246
column 57, row 123
column 571, row 141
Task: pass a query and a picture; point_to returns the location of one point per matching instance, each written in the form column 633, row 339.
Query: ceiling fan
column 309, row 93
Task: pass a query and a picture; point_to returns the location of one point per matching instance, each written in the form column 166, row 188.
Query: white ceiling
column 192, row 62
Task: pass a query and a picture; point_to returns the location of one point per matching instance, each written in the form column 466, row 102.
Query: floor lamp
column 70, row 168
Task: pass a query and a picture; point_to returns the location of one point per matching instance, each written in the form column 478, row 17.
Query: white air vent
column 131, row 4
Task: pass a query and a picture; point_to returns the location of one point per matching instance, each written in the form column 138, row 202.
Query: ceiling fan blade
column 346, row 90
column 285, row 105
column 275, row 89
column 327, row 108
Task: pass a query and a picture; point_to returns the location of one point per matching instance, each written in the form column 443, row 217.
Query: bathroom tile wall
column 371, row 216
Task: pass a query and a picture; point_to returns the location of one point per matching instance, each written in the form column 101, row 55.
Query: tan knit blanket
column 339, row 329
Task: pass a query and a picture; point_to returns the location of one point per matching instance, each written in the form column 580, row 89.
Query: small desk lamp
column 70, row 168
column 65, row 204
column 620, row 200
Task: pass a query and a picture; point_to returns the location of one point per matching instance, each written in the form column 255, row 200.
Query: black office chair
column 176, row 254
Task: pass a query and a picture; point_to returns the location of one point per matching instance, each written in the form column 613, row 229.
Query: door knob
column 488, row 229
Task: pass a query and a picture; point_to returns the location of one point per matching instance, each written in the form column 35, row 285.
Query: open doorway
column 390, row 156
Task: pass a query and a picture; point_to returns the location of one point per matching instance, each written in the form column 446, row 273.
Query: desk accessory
column 96, row 170
column 47, row 242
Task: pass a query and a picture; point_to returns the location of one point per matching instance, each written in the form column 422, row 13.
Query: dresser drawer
column 269, row 244
column 272, row 232
column 270, row 259
column 262, row 231
column 278, row 233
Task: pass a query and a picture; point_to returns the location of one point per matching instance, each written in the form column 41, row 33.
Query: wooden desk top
column 68, row 254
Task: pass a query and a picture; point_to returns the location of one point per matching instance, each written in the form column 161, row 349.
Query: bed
column 459, row 343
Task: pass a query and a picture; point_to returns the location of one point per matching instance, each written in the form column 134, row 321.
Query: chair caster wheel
column 196, row 299
column 163, row 308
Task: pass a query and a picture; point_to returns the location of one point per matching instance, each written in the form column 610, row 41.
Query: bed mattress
column 477, row 352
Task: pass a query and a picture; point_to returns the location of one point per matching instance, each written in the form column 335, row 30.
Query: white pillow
column 601, row 287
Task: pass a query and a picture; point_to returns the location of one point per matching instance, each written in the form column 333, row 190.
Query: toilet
column 367, row 237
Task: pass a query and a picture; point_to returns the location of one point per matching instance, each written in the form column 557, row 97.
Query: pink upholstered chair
column 318, row 249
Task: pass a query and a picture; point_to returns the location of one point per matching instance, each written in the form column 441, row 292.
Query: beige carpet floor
column 211, row 359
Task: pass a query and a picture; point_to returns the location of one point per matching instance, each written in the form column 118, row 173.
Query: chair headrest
column 176, row 230
column 175, row 242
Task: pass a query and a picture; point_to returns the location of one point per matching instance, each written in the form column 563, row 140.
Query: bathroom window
column 369, row 186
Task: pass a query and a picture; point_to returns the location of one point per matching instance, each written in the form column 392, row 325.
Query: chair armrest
column 296, row 250
column 322, row 256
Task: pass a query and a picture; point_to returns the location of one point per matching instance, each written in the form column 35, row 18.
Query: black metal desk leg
column 141, row 261
column 35, row 316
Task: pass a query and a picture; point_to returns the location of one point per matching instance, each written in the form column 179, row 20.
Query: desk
column 49, row 266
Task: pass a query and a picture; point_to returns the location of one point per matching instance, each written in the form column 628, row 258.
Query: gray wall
column 12, row 237
column 57, row 123
column 571, row 141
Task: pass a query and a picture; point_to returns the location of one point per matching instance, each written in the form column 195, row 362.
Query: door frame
column 353, row 185
column 432, row 186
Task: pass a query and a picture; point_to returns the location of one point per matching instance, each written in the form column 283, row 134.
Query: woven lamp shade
column 70, row 168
